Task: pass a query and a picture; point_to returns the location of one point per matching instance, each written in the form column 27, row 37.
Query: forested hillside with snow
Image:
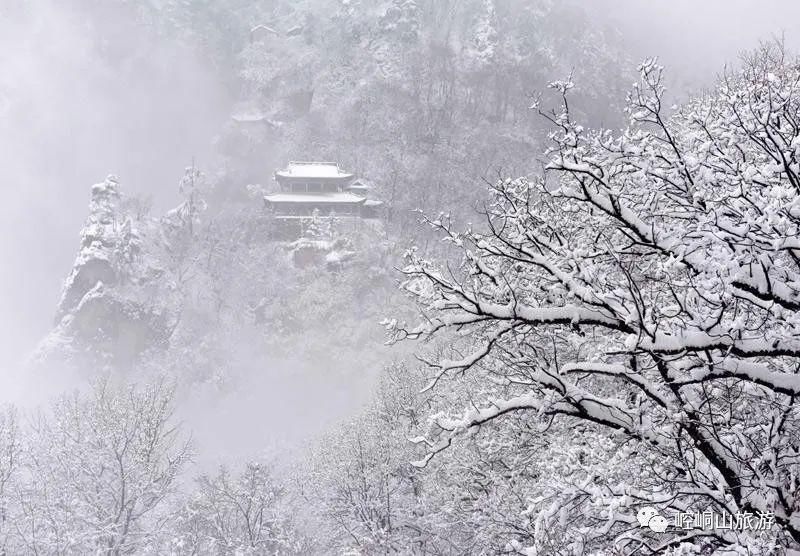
column 568, row 324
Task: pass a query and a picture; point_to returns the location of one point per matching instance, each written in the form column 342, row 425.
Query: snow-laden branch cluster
column 649, row 283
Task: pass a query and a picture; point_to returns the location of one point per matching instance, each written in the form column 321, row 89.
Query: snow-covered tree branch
column 647, row 283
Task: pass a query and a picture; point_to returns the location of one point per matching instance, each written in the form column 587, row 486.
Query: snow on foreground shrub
column 94, row 473
column 648, row 284
column 231, row 513
column 103, row 472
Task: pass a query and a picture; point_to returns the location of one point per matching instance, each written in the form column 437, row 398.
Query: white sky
column 695, row 38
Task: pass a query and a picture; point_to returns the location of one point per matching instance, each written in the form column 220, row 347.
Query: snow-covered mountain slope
column 198, row 291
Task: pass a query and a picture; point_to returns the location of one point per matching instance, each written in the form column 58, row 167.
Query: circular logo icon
column 649, row 517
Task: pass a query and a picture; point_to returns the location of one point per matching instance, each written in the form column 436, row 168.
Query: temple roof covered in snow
column 313, row 170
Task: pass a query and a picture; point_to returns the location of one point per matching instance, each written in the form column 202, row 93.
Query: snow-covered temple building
column 321, row 188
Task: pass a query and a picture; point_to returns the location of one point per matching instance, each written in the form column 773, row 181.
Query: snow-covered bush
column 98, row 472
column 237, row 513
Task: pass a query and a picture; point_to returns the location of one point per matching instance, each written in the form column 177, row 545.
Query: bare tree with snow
column 648, row 285
column 237, row 513
column 99, row 472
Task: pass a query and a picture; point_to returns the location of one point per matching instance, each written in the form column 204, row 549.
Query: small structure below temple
column 309, row 189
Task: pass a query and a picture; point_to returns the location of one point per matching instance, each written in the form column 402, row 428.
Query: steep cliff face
column 112, row 306
column 425, row 97
column 95, row 261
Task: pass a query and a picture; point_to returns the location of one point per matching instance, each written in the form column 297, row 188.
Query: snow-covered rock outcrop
column 107, row 310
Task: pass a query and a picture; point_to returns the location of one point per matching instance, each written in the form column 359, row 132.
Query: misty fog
column 293, row 347
column 79, row 89
column 71, row 115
